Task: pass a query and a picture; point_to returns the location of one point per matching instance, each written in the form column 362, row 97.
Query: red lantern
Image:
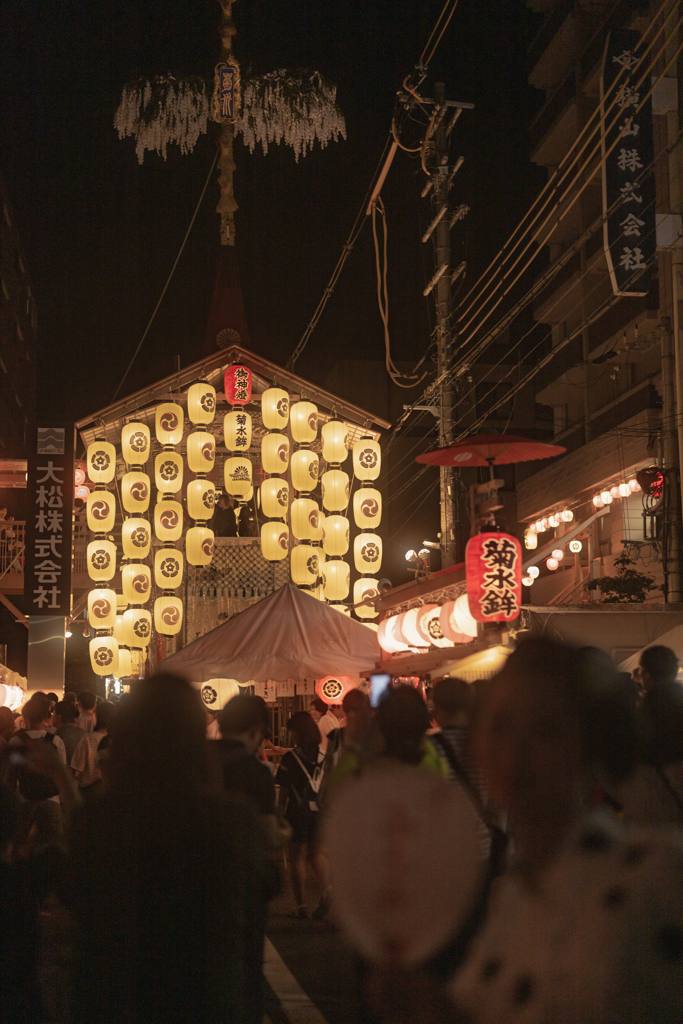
column 333, row 689
column 494, row 577
column 238, row 385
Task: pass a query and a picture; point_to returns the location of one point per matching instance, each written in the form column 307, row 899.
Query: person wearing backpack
column 300, row 777
column 38, row 794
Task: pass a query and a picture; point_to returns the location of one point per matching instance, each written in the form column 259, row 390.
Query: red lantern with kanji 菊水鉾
column 494, row 577
column 238, row 385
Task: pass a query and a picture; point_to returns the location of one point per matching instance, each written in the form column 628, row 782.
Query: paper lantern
column 102, row 608
column 201, row 403
column 275, row 497
column 367, row 552
column 237, row 474
column 533, row 571
column 429, row 626
column 304, row 565
column 275, row 453
column 168, row 472
column 201, row 451
column 82, row 493
column 168, row 568
column 450, row 624
column 125, row 663
column 552, row 564
column 463, row 618
column 237, row 430
column 493, row 565
column 121, row 604
column 118, row 628
column 274, row 541
column 168, row 615
column 336, row 574
column 136, row 538
column 101, row 511
column 135, row 492
column 217, row 692
column 530, row 540
column 336, row 535
column 137, row 627
column 575, row 546
column 199, row 545
column 136, row 444
column 305, row 516
column 101, row 460
column 389, row 636
column 168, row 520
column 367, row 459
column 305, row 469
column 407, row 630
column 104, row 655
column 275, row 409
column 335, row 490
column 238, row 385
column 362, row 589
column 136, row 583
column 201, row 499
column 303, row 419
column 101, row 560
column 169, row 423
column 367, row 508
column 333, row 689
column 335, row 438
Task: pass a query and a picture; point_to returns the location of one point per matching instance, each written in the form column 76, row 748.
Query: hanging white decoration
column 162, row 111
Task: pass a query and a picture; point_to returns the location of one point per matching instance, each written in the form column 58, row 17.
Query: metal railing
column 12, row 541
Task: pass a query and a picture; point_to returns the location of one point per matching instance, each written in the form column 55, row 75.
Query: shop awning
column 288, row 635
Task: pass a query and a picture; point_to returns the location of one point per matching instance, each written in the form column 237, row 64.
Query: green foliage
column 628, row 586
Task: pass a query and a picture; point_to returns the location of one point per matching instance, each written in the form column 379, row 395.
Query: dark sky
column 101, row 232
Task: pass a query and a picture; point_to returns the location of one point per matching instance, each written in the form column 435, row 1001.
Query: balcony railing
column 12, row 542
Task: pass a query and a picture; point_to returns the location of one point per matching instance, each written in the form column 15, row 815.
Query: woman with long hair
column 168, row 882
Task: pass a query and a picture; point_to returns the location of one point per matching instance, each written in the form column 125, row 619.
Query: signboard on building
column 628, row 182
column 493, row 563
column 226, row 91
column 49, row 521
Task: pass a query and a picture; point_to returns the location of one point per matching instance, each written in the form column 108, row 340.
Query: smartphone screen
column 379, row 685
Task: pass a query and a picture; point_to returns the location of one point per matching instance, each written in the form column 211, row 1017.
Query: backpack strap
column 449, row 751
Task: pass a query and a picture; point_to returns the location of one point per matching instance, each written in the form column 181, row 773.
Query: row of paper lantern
column 431, row 625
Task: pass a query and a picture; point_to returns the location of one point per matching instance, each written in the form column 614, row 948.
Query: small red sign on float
column 238, row 385
column 494, row 577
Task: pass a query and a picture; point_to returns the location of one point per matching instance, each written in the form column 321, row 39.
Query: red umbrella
column 490, row 450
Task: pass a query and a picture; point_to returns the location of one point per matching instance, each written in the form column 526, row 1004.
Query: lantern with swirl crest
column 367, row 514
column 201, row 492
column 101, row 555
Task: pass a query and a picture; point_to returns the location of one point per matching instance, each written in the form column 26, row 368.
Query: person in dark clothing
column 659, row 717
column 69, row 733
column 224, row 522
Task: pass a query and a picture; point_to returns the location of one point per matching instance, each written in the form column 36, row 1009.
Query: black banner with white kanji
column 628, row 182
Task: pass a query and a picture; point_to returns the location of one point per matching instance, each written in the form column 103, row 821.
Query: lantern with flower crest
column 275, row 409
column 305, row 469
column 104, row 655
column 303, row 421
column 136, row 444
column 274, row 541
column 201, row 403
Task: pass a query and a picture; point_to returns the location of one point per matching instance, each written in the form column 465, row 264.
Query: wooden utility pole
column 226, row 133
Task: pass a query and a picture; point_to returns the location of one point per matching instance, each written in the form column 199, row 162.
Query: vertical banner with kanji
column 628, row 181
column 493, row 564
column 50, row 497
column 226, row 91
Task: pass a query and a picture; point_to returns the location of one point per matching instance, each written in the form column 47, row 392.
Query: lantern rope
column 168, row 279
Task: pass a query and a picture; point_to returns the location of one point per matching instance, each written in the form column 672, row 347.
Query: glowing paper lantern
column 554, row 521
column 238, row 385
column 199, row 545
column 135, row 492
column 274, row 541
column 406, row 627
column 237, row 474
column 333, row 689
column 606, row 497
column 552, row 563
column 530, row 540
column 168, row 615
column 136, row 583
column 169, row 422
column 335, row 490
column 137, row 627
column 201, row 403
column 101, row 511
column 102, row 608
column 335, row 438
column 237, row 430
column 450, row 625
column 305, row 469
column 125, row 663
column 201, row 499
column 118, row 628
column 303, row 419
column 367, row 508
column 275, row 409
column 389, row 636
column 11, row 697
column 136, row 444
column 168, row 568
column 463, row 617
column 104, row 655
column 201, row 451
column 429, row 626
column 275, row 453
column 275, row 497
column 136, row 538
column 527, row 581
column 336, row 574
column 82, row 493
column 304, row 565
column 101, row 560
column 101, row 459
column 168, row 520
column 493, row 563
column 558, row 553
column 79, row 477
column 575, row 546
column 367, row 552
column 367, row 459
column 168, row 472
column 566, row 515
column 336, row 535
column 362, row 589
column 533, row 571
column 121, row 604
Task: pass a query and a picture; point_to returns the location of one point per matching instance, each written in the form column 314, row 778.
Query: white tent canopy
column 288, row 635
column 672, row 639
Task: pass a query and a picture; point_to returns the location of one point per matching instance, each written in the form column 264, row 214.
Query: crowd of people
column 166, row 847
